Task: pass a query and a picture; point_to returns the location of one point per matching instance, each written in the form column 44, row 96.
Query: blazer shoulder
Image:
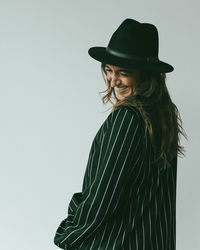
column 130, row 111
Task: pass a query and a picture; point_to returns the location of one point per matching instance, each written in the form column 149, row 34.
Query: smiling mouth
column 120, row 89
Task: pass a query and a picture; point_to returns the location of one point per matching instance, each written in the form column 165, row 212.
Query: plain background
column 51, row 109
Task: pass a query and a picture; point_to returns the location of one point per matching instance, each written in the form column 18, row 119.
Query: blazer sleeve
column 121, row 151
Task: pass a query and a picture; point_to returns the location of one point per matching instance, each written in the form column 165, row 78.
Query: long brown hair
column 161, row 116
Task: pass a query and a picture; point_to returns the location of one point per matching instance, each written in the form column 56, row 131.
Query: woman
column 128, row 198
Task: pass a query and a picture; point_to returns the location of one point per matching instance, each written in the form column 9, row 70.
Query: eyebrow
column 120, row 70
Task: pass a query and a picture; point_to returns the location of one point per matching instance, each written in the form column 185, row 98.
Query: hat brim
column 100, row 54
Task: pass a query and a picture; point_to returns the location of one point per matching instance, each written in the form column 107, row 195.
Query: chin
column 120, row 98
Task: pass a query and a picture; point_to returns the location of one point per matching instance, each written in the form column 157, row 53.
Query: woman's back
column 145, row 217
column 127, row 202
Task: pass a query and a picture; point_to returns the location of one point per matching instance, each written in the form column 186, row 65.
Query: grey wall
column 50, row 107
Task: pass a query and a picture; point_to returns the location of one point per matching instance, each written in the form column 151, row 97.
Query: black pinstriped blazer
column 127, row 202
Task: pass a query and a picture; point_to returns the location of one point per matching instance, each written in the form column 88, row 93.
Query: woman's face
column 122, row 80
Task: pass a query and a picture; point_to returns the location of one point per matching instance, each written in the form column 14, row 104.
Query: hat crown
column 135, row 38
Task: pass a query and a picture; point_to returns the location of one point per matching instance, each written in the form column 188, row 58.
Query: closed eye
column 124, row 74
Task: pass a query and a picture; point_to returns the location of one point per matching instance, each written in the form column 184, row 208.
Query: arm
column 121, row 152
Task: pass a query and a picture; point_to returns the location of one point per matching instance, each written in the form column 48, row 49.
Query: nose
column 114, row 81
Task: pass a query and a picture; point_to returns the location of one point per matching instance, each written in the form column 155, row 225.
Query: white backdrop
column 50, row 107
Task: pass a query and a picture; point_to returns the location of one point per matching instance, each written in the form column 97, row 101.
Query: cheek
column 133, row 82
column 128, row 82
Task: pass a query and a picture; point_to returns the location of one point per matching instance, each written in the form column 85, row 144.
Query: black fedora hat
column 132, row 45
